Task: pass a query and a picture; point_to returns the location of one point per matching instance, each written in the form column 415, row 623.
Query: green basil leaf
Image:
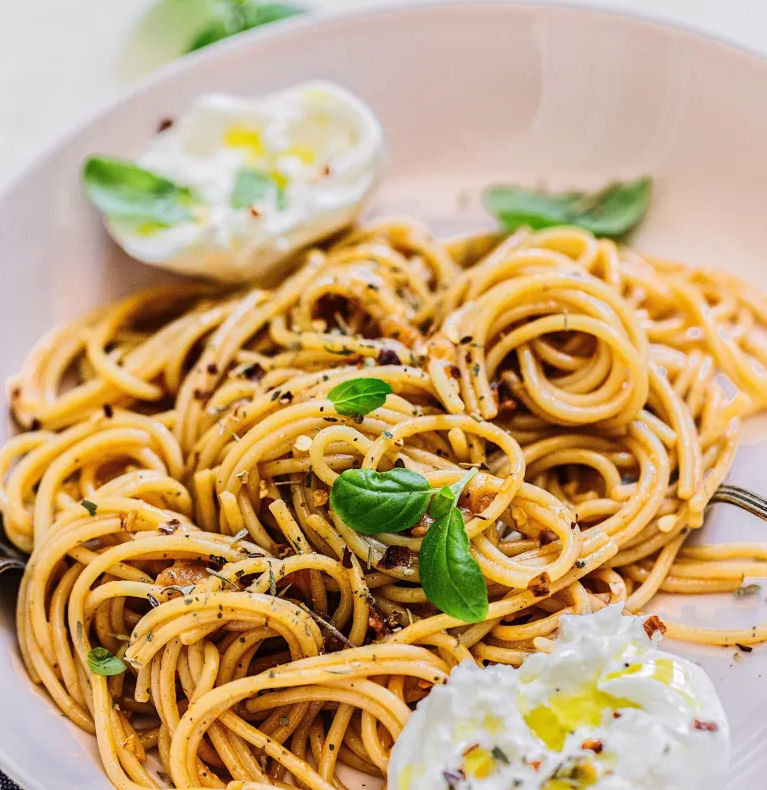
column 371, row 502
column 450, row 576
column 102, row 662
column 236, row 16
column 123, row 190
column 612, row 211
column 358, row 397
column 250, row 186
column 447, row 496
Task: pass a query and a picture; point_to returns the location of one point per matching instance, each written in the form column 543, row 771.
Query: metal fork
column 11, row 559
column 742, row 498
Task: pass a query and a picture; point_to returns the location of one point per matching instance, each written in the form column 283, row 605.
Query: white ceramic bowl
column 468, row 94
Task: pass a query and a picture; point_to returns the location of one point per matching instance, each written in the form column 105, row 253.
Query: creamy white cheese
column 319, row 147
column 606, row 710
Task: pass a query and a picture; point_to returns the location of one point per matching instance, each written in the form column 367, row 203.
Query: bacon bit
column 706, row 726
column 108, row 411
column 182, row 573
column 382, row 626
column 164, row 123
column 254, row 212
column 540, row 585
column 346, row 558
column 593, row 744
column 388, row 356
column 253, row 372
column 469, row 749
column 546, row 537
column 395, row 557
column 422, row 527
column 479, row 493
column 212, row 368
column 506, row 401
column 170, row 526
column 653, row 625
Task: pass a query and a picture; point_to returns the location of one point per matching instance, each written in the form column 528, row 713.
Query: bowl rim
column 325, row 17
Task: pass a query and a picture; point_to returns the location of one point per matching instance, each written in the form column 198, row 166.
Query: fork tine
column 742, row 498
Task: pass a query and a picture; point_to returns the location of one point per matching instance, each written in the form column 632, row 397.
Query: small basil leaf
column 123, row 190
column 250, row 186
column 447, row 496
column 612, row 211
column 442, row 502
column 102, row 662
column 235, row 16
column 450, row 576
column 371, row 502
column 357, row 397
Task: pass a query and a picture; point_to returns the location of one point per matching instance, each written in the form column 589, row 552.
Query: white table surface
column 61, row 60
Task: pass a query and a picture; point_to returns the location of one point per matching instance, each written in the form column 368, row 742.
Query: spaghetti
column 172, row 487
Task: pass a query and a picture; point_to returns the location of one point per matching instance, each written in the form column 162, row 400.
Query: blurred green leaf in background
column 172, row 27
column 234, row 16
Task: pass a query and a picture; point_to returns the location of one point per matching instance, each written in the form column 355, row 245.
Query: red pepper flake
column 254, row 212
column 536, row 764
column 540, row 586
column 454, row 371
column 108, row 410
column 388, row 356
column 212, row 368
column 617, row 714
column 16, row 392
column 395, row 557
column 706, row 726
column 346, row 558
column 653, row 625
column 164, row 123
column 200, row 394
column 593, row 745
column 469, row 749
column 326, row 170
column 34, row 424
column 744, row 648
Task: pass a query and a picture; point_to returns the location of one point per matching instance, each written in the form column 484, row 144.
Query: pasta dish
column 264, row 523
